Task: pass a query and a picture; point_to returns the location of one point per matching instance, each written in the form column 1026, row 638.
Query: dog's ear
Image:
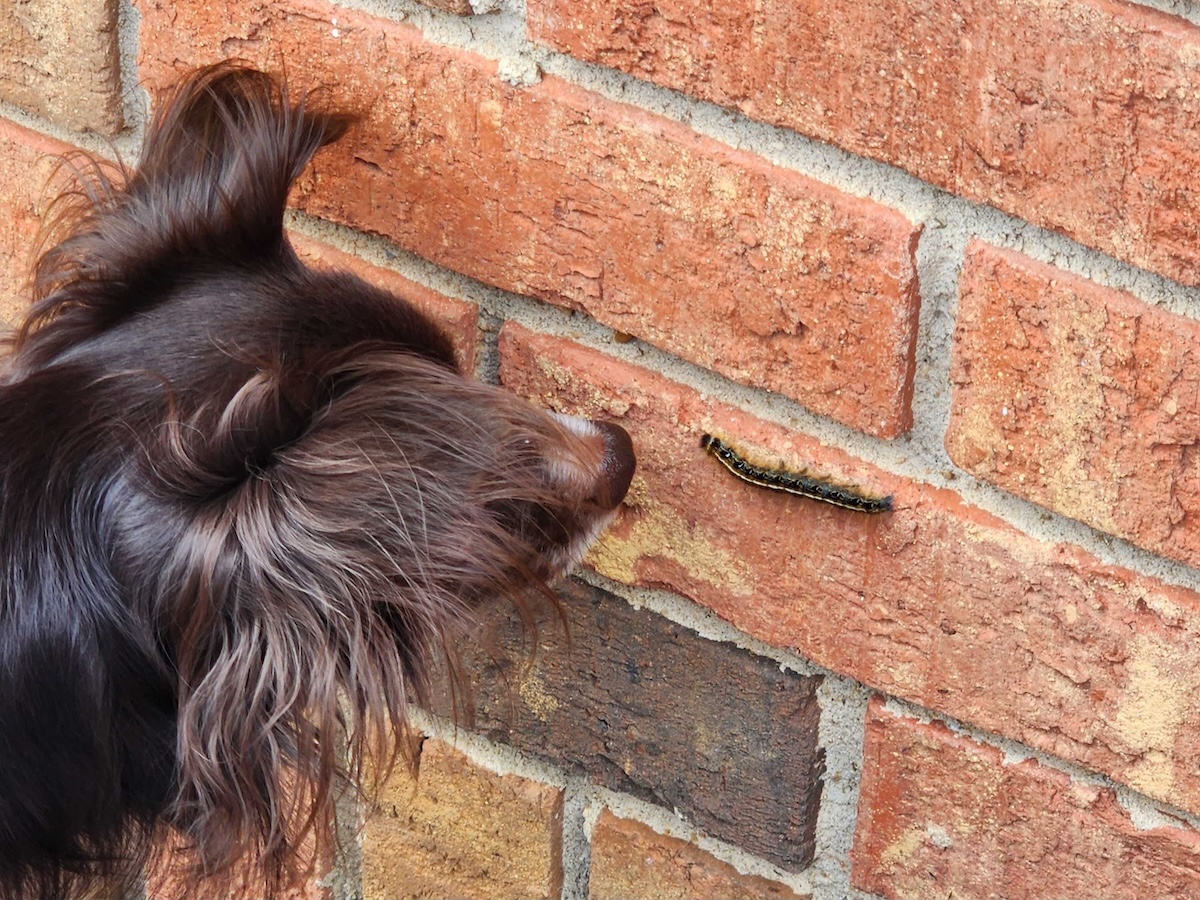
column 301, row 579
column 324, row 562
column 219, row 158
column 210, row 186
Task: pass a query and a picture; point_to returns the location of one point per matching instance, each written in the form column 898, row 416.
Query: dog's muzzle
column 617, row 467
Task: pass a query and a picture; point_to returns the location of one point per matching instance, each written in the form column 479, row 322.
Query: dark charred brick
column 646, row 706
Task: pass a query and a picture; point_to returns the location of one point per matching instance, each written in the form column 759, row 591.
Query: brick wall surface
column 945, row 252
column 59, row 58
column 943, row 815
column 460, row 830
column 1073, row 115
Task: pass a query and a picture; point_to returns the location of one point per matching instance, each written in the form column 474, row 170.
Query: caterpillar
column 793, row 482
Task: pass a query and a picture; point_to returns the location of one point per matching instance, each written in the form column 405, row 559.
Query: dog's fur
column 243, row 506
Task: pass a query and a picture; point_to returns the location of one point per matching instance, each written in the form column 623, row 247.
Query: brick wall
column 943, row 250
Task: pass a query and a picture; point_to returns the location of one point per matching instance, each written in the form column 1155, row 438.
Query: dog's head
column 291, row 499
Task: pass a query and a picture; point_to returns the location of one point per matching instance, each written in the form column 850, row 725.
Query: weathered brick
column 59, row 58
column 462, row 831
column 712, row 253
column 26, row 166
column 459, row 317
column 1080, row 398
column 942, row 815
column 628, row 700
column 631, row 861
column 1077, row 116
column 938, row 602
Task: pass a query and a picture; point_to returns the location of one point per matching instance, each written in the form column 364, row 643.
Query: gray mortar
column 576, row 840
column 843, row 710
column 344, row 880
column 135, row 102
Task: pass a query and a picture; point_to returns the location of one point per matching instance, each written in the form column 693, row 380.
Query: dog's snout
column 605, row 467
column 616, row 470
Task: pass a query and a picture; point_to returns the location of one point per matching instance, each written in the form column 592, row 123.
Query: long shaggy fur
column 243, row 507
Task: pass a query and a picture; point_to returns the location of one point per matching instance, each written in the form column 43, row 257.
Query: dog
column 245, row 508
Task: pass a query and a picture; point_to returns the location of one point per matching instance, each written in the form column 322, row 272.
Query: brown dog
column 244, row 505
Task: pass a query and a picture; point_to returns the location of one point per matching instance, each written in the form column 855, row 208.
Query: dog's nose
column 616, row 471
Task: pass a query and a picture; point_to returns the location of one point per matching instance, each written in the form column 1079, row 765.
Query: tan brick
column 27, row 162
column 709, row 252
column 1080, row 398
column 459, row 317
column 937, row 602
column 59, row 58
column 1078, row 116
column 942, row 815
column 631, row 861
column 462, row 831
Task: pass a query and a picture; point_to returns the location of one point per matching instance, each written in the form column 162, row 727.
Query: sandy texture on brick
column 462, row 831
column 58, row 58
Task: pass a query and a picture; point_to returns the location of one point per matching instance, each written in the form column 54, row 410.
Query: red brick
column 459, row 317
column 462, row 831
column 60, row 59
column 945, row 816
column 26, row 166
column 631, row 861
column 937, row 602
column 1078, row 116
column 709, row 252
column 1080, row 398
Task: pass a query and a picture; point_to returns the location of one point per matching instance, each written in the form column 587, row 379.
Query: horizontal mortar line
column 492, row 35
column 900, row 457
column 500, row 758
column 121, row 147
column 682, row 610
